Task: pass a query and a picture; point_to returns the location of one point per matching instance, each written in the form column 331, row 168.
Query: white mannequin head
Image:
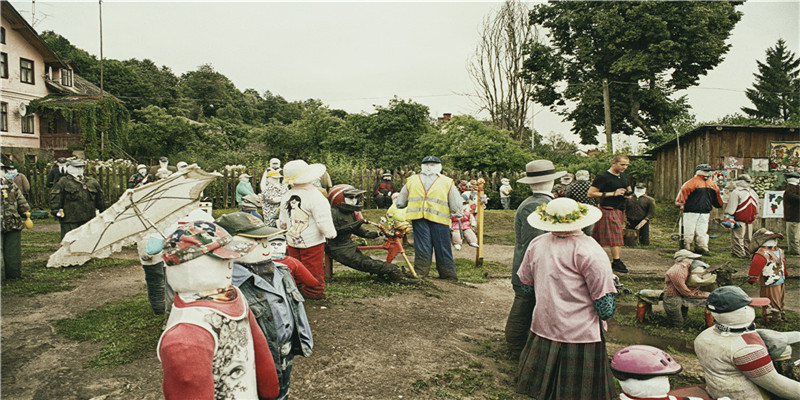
column 431, row 168
column 274, row 163
column 770, row 243
column 200, row 274
column 736, row 319
column 259, row 254
column 657, row 386
column 75, row 171
column 141, row 169
column 542, row 187
column 277, row 248
column 163, row 162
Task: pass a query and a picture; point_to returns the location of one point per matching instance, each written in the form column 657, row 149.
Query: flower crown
column 573, row 216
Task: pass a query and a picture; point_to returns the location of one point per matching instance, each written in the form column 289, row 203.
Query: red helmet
column 337, row 194
column 643, row 362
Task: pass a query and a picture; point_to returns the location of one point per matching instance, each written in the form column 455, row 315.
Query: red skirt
column 608, row 230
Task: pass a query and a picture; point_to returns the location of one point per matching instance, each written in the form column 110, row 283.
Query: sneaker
column 619, row 266
column 457, row 246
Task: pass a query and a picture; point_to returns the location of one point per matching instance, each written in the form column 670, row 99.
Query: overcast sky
column 353, row 55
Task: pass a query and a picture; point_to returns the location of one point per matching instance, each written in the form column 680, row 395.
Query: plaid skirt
column 555, row 370
column 608, row 230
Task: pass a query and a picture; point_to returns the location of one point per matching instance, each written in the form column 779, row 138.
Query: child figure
column 768, row 268
column 462, row 227
column 505, row 193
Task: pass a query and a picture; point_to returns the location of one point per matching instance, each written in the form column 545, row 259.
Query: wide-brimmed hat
column 538, row 171
column 247, row 225
column 761, row 236
column 298, row 171
column 563, row 214
column 731, row 298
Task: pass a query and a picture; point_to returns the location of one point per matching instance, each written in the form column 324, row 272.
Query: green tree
column 776, row 90
column 205, row 91
column 156, row 133
column 646, row 50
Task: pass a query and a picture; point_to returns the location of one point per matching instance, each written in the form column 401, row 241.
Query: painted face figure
column 277, row 249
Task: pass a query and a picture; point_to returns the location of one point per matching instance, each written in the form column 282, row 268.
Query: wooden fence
column 222, row 191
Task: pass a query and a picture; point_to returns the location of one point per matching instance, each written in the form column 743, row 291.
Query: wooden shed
column 712, row 144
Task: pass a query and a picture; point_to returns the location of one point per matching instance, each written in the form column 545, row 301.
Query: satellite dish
column 23, row 109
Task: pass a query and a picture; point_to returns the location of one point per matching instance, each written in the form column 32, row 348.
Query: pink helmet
column 643, row 362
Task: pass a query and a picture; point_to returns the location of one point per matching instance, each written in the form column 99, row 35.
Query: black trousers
column 355, row 259
column 518, row 326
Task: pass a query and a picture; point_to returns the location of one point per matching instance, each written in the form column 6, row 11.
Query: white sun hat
column 298, row 171
column 564, row 214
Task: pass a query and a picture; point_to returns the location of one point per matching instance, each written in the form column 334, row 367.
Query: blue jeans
column 430, row 238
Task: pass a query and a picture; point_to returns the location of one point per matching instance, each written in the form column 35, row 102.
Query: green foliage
column 127, row 328
column 776, row 90
column 154, row 132
column 646, row 50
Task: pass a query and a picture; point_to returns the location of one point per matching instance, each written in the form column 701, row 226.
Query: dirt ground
column 371, row 348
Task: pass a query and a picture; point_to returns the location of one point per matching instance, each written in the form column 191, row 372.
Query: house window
column 26, row 70
column 2, row 35
column 66, row 77
column 4, row 117
column 27, row 124
column 3, row 65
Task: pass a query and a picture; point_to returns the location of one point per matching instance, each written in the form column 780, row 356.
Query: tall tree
column 496, row 65
column 776, row 91
column 647, row 50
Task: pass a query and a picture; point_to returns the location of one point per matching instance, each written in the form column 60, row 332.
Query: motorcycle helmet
column 643, row 362
column 346, row 197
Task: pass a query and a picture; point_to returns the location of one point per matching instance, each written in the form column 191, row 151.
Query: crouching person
column 212, row 346
column 735, row 360
column 678, row 296
column 272, row 294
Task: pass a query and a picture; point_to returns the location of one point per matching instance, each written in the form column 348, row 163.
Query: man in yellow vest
column 429, row 198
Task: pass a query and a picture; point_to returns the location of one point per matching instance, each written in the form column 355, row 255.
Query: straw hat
column 564, row 214
column 540, row 171
column 298, row 171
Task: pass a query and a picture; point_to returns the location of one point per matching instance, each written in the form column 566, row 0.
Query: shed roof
column 721, row 127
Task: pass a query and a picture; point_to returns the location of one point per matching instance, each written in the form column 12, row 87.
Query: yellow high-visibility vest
column 431, row 205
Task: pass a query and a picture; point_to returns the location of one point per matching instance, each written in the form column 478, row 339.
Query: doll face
column 75, row 171
column 142, row 171
column 200, row 274
column 277, row 249
column 259, row 253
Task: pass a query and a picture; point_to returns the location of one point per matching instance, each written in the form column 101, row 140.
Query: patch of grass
column 127, row 327
column 468, row 272
column 360, row 285
column 218, row 212
column 455, row 383
column 39, row 237
column 30, row 251
column 38, row 279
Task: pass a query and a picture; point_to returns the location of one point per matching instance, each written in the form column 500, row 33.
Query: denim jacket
column 258, row 292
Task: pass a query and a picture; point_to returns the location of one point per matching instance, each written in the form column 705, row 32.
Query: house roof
column 721, row 127
column 19, row 24
column 80, row 87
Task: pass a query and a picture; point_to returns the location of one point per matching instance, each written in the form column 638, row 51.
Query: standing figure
column 274, row 165
column 571, row 311
column 678, row 297
column 696, row 199
column 271, row 293
column 163, row 163
column 429, row 198
column 768, row 268
column 612, row 188
column 742, row 207
column 19, row 179
column 243, row 188
column 141, row 177
column 59, row 170
column 505, row 193
column 462, row 227
column 639, row 210
column 306, row 215
column 14, row 206
column 791, row 213
column 579, row 189
column 212, row 346
column 345, row 202
column 734, row 358
column 75, row 197
column 383, row 191
column 560, row 189
column 540, row 175
column 271, row 195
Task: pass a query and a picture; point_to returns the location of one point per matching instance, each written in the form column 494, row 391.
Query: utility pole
column 102, row 132
column 607, row 109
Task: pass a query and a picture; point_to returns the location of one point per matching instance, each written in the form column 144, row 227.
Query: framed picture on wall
column 784, row 156
column 760, row 164
column 773, row 204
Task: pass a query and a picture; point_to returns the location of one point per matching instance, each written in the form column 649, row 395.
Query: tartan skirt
column 556, row 370
column 608, row 230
